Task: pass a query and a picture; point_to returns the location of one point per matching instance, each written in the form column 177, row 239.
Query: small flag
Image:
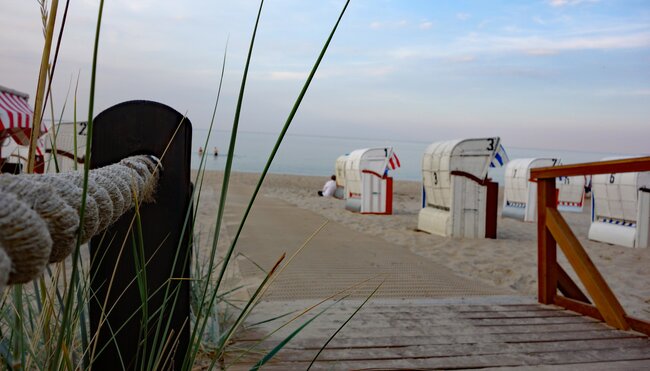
column 393, row 162
column 500, row 157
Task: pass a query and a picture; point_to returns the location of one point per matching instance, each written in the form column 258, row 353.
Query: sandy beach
column 508, row 262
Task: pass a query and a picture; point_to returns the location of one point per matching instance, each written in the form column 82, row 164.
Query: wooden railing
column 553, row 230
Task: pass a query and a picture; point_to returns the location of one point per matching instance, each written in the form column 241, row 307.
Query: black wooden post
column 126, row 129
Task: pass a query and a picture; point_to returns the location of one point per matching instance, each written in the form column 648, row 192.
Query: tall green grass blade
column 19, row 331
column 198, row 195
column 226, row 336
column 199, row 327
column 65, row 336
column 74, row 123
column 37, row 296
column 280, row 138
column 141, row 279
column 137, row 310
column 83, row 330
column 5, row 352
column 56, row 127
column 286, row 340
column 56, row 51
column 59, row 294
column 253, row 262
column 275, row 148
column 51, row 75
column 305, row 311
column 344, row 323
column 271, row 319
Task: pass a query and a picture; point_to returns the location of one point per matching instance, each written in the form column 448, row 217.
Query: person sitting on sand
column 329, row 187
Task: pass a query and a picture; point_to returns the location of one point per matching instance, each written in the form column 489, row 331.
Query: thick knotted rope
column 61, row 219
column 39, row 214
column 25, row 239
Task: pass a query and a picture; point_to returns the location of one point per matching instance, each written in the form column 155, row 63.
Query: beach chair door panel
column 373, row 191
column 468, row 208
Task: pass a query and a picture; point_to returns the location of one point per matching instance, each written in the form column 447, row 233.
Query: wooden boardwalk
column 443, row 334
column 423, row 317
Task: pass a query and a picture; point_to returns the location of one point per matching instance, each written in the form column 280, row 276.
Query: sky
column 551, row 74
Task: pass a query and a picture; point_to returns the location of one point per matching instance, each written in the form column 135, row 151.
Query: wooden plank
column 408, row 308
column 407, row 331
column 568, row 287
column 592, row 168
column 416, row 315
column 609, row 366
column 529, row 321
column 451, row 350
column 546, row 246
column 479, row 361
column 598, row 289
column 518, row 314
column 402, row 341
column 431, row 325
column 437, row 318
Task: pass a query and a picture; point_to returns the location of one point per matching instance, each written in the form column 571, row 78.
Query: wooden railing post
column 552, row 229
column 594, row 282
column 546, row 246
column 139, row 316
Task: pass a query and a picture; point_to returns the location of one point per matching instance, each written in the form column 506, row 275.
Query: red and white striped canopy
column 16, row 117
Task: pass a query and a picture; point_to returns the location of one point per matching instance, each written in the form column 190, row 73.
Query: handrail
column 628, row 165
column 552, row 229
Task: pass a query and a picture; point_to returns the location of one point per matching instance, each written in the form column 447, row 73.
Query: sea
column 316, row 155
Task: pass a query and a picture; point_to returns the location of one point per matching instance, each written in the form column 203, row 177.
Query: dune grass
column 45, row 324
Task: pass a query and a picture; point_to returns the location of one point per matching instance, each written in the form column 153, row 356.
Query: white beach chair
column 368, row 188
column 520, row 194
column 456, row 190
column 620, row 209
column 340, row 176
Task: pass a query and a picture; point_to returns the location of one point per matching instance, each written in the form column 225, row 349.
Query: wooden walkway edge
column 460, row 334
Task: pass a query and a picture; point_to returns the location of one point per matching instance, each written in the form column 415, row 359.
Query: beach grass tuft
column 45, row 324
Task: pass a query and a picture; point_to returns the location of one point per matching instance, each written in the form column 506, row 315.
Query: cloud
column 287, row 75
column 561, row 3
column 351, row 70
column 624, row 92
column 425, row 25
column 539, row 20
column 559, row 20
column 377, row 25
column 471, row 46
column 541, row 46
column 379, row 71
column 410, row 53
column 463, row 16
column 136, row 6
column 463, row 58
column 641, row 40
column 541, row 52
